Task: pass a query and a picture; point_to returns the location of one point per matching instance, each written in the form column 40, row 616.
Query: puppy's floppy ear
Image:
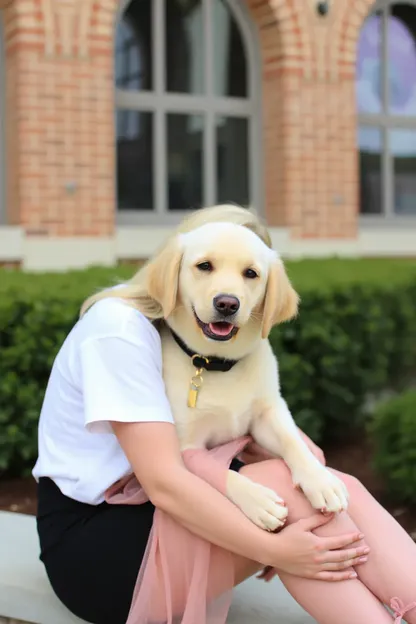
column 281, row 300
column 162, row 276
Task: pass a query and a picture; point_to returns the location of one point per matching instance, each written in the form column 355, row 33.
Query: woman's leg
column 391, row 567
column 386, row 574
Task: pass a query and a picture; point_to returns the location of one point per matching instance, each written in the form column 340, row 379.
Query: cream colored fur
column 246, row 399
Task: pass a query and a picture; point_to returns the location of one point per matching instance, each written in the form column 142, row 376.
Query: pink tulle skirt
column 183, row 578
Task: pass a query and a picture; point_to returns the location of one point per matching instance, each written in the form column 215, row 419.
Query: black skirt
column 92, row 554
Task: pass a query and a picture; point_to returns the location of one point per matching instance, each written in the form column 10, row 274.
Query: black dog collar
column 201, row 361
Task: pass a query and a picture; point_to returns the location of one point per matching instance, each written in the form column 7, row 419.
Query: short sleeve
column 121, row 381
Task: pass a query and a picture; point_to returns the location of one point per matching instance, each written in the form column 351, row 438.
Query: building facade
column 118, row 116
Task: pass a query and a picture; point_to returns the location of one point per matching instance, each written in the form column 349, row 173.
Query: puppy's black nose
column 226, row 305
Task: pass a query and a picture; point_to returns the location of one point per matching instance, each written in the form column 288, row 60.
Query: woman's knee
column 354, row 485
column 275, row 475
column 272, row 473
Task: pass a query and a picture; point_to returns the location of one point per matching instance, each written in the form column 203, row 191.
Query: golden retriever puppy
column 222, row 290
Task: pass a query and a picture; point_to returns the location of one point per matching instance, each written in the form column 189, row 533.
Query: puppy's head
column 221, row 288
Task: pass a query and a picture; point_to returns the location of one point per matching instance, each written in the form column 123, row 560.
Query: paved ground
column 257, row 602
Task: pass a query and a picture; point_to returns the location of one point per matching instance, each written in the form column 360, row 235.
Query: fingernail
column 353, row 575
column 361, row 536
column 366, row 550
column 363, row 559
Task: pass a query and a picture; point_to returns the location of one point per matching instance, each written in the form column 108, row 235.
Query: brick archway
column 351, row 23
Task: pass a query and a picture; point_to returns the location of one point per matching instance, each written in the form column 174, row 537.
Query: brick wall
column 60, row 136
column 59, row 92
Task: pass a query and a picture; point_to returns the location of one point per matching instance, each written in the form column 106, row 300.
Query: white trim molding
column 36, row 253
column 392, row 242
column 61, row 254
column 141, row 242
column 11, row 243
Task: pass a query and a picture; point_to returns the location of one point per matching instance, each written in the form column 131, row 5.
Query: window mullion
column 158, row 43
column 386, row 158
column 210, row 147
column 385, row 59
column 388, row 174
column 253, row 160
column 159, row 121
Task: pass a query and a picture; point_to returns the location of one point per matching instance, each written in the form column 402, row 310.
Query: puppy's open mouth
column 218, row 330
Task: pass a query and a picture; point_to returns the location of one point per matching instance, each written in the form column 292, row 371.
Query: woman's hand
column 302, row 553
column 254, row 453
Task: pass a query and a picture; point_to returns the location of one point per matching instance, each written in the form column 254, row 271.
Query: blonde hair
column 135, row 292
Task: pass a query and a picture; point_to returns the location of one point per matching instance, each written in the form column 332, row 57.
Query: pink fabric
column 183, row 578
column 400, row 609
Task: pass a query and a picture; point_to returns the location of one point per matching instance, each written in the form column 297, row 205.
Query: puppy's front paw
column 323, row 490
column 260, row 504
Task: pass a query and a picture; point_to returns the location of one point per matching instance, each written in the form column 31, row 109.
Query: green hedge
column 355, row 335
column 393, row 430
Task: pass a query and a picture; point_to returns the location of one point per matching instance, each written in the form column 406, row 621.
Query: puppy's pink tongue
column 221, row 329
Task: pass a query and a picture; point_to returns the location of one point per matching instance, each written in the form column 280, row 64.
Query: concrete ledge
column 25, row 592
column 27, row 597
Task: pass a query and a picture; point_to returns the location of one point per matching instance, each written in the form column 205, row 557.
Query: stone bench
column 26, row 595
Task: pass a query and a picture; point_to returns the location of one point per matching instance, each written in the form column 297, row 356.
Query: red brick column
column 309, row 129
column 60, row 161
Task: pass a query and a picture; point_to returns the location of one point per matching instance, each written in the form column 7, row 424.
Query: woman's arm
column 153, row 451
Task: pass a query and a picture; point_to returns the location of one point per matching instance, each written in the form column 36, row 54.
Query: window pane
column 402, row 59
column 184, row 46
column 370, row 143
column 133, row 47
column 185, row 161
column 403, row 153
column 369, row 59
column 232, row 161
column 230, row 63
column 134, row 160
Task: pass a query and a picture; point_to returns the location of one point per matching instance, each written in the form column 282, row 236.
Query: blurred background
column 118, row 117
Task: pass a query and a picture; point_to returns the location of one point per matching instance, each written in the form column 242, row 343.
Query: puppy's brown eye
column 205, row 266
column 250, row 274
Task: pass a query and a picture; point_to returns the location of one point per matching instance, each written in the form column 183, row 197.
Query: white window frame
column 161, row 102
column 385, row 122
column 3, row 190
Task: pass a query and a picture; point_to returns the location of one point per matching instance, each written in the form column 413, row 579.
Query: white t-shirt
column 108, row 369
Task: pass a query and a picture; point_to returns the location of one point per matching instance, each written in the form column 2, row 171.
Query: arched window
column 386, row 99
column 187, row 108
